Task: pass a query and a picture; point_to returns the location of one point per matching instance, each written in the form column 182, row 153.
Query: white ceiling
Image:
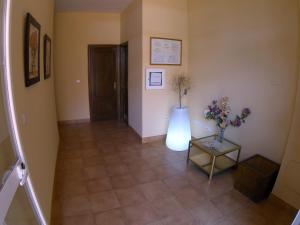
column 91, row 5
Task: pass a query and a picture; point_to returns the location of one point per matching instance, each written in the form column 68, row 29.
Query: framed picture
column 32, row 51
column 47, row 56
column 155, row 78
column 164, row 51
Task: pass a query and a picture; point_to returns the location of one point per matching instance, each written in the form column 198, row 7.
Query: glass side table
column 213, row 156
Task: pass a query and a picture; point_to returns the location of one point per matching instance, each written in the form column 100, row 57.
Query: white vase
column 179, row 130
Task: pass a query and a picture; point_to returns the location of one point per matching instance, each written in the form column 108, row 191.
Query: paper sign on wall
column 155, row 78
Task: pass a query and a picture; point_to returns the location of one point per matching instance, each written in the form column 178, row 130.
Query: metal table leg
column 188, row 156
column 238, row 158
column 212, row 168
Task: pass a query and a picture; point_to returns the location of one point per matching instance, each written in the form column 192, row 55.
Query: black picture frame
column 47, row 56
column 155, row 79
column 32, row 50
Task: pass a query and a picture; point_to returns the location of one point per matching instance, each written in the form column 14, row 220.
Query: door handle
column 115, row 85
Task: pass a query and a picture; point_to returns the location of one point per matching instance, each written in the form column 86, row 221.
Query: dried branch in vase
column 181, row 85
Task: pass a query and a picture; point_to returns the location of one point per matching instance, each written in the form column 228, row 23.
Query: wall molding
column 142, row 140
column 153, row 138
column 136, row 133
column 72, row 122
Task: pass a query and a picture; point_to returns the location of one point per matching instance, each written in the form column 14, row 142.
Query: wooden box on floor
column 256, row 177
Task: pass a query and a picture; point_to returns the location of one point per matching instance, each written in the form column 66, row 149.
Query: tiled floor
column 104, row 176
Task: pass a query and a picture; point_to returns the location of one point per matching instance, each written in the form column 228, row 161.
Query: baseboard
column 136, row 133
column 153, row 138
column 143, row 140
column 72, row 122
column 150, row 139
column 280, row 201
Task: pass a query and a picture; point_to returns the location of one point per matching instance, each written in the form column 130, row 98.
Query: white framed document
column 165, row 51
column 155, row 78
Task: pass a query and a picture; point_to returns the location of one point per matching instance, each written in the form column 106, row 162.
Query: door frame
column 122, row 79
column 297, row 219
column 95, row 46
column 9, row 104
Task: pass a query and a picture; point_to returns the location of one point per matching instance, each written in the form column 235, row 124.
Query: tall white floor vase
column 179, row 130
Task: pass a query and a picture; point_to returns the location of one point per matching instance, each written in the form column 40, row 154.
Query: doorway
column 103, row 61
column 108, row 82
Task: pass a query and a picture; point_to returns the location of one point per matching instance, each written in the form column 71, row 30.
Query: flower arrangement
column 237, row 122
column 181, row 85
column 220, row 112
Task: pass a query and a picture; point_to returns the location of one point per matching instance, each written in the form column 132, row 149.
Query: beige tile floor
column 104, row 176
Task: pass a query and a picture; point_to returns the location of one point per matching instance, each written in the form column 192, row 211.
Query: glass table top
column 214, row 147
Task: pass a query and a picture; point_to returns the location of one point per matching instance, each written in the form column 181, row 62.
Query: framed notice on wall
column 155, row 78
column 164, row 51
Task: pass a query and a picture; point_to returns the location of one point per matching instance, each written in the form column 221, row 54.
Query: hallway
column 104, row 176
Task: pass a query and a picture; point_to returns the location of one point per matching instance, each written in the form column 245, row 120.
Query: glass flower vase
column 220, row 136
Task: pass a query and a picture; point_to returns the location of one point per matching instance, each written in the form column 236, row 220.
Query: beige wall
column 288, row 183
column 131, row 31
column 7, row 158
column 39, row 134
column 167, row 19
column 247, row 51
column 73, row 33
column 3, row 125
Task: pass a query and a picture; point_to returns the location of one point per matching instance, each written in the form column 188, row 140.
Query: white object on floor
column 179, row 131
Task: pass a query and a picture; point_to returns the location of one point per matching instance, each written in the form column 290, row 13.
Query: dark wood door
column 103, row 82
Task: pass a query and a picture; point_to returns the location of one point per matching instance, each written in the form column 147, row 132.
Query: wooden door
column 103, row 82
